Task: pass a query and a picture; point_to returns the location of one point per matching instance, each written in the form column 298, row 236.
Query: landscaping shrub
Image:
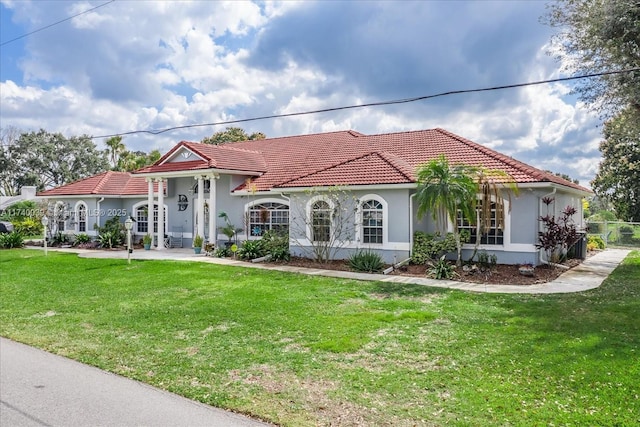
column 427, row 247
column 222, row 252
column 28, row 227
column 111, row 234
column 276, row 244
column 251, row 249
column 595, row 242
column 366, row 262
column 82, row 238
column 11, row 240
column 60, row 238
column 441, row 269
column 626, row 234
column 487, row 262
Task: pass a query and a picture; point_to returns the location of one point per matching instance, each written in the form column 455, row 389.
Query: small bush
column 626, row 234
column 222, row 252
column 11, row 240
column 60, row 239
column 366, row 262
column 427, row 247
column 596, row 242
column 28, row 227
column 251, row 249
column 276, row 244
column 82, row 238
column 108, row 240
column 486, row 261
column 441, row 269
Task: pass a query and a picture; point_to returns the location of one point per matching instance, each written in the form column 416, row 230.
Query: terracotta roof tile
column 348, row 157
column 105, row 184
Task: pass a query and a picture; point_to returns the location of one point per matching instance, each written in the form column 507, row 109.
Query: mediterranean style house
column 285, row 184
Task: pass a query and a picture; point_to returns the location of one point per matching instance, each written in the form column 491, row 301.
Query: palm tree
column 492, row 185
column 116, row 147
column 445, row 189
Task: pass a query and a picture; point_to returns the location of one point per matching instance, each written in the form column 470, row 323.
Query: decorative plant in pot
column 146, row 241
column 229, row 229
column 197, row 244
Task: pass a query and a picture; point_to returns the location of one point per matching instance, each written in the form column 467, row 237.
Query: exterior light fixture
column 45, row 222
column 128, row 224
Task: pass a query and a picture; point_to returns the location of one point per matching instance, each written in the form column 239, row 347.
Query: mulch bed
column 502, row 274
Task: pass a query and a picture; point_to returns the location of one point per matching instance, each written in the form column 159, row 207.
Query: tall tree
column 597, row 36
column 232, row 134
column 618, row 177
column 443, row 189
column 116, row 148
column 47, row 160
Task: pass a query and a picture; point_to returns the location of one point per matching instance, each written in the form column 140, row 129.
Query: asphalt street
column 41, row 389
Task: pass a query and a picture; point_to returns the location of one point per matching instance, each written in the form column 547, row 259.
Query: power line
column 55, row 23
column 371, row 104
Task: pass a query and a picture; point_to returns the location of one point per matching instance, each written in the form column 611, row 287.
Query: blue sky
column 139, row 65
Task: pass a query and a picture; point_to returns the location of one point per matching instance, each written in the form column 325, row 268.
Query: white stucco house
column 272, row 183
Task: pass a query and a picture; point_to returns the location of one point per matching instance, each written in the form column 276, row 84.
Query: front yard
column 302, row 350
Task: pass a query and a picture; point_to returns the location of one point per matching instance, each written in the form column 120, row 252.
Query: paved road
column 41, row 389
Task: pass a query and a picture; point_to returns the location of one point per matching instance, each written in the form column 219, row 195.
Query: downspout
column 98, row 210
column 542, row 261
column 411, row 224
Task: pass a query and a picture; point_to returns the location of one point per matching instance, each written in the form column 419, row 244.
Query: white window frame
column 360, row 219
column 310, row 204
column 506, row 231
column 76, row 210
column 249, row 206
column 144, row 204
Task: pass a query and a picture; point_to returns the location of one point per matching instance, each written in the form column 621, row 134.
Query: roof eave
column 196, row 172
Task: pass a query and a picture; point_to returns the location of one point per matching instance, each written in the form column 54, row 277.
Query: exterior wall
column 396, row 224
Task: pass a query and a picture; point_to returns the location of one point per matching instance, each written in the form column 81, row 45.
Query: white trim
column 77, row 214
column 150, row 224
column 385, row 220
column 194, row 173
column 252, row 203
column 389, row 246
column 179, row 153
column 309, row 212
column 345, row 187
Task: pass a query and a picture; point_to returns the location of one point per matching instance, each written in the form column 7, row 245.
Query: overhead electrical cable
column 55, row 23
column 371, row 104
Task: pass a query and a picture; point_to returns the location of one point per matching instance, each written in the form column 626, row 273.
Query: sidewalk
column 588, row 275
column 42, row 389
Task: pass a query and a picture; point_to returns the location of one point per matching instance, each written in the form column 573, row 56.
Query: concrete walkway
column 41, row 389
column 588, row 275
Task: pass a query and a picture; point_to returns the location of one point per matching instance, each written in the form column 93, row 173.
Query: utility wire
column 55, row 23
column 371, row 104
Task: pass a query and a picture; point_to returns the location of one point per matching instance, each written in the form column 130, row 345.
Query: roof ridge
column 398, row 163
column 523, row 167
column 333, row 165
column 378, row 153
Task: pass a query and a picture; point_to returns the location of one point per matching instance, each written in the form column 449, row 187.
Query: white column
column 213, row 232
column 150, row 208
column 160, row 214
column 200, row 230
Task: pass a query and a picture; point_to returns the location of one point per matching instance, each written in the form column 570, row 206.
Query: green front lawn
column 302, row 350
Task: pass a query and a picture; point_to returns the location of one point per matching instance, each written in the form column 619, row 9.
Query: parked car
column 6, row 227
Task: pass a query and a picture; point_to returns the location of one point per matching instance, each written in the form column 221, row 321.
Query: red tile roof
column 333, row 158
column 105, row 184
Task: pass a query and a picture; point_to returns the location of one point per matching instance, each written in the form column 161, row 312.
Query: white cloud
column 158, row 64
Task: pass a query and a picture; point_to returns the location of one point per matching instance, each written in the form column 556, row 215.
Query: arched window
column 142, row 219
column 372, row 222
column 60, row 215
column 267, row 216
column 81, row 216
column 320, row 221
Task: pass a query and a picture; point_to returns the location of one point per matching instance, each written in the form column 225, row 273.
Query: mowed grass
column 299, row 350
